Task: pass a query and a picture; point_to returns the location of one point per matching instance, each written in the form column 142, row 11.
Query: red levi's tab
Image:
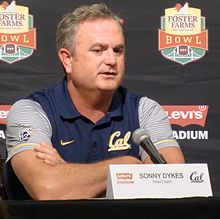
column 184, row 115
column 4, row 109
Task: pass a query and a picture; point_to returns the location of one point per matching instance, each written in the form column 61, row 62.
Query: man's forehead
column 99, row 25
column 100, row 31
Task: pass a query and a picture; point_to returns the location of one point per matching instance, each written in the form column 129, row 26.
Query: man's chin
column 109, row 88
column 109, row 85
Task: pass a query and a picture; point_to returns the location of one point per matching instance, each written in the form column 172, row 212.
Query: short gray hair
column 68, row 26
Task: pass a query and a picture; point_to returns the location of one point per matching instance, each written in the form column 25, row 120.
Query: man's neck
column 92, row 105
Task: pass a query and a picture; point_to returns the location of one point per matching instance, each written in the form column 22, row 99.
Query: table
column 187, row 208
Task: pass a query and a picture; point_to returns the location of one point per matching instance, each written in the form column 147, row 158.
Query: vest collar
column 67, row 109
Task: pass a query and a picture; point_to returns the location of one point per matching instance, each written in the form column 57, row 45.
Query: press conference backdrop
column 173, row 51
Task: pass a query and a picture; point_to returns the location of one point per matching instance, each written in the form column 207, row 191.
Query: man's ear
column 65, row 58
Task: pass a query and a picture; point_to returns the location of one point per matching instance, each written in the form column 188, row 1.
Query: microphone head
column 140, row 134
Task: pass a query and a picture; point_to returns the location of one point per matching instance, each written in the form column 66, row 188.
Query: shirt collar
column 64, row 102
column 116, row 108
column 67, row 109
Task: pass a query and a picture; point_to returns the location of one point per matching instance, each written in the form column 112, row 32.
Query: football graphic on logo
column 183, row 50
column 10, row 48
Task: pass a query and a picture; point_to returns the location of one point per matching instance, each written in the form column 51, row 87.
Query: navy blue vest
column 77, row 139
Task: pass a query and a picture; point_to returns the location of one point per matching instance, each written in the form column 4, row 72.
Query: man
column 61, row 140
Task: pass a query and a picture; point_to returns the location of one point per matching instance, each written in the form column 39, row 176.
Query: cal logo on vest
column 119, row 142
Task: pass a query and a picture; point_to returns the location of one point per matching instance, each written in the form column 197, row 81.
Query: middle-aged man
column 61, row 140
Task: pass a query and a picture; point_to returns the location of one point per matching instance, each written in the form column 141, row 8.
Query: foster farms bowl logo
column 17, row 35
column 183, row 37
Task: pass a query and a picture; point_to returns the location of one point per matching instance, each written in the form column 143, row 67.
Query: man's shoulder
column 45, row 92
column 141, row 98
column 24, row 106
column 50, row 94
column 24, row 103
column 129, row 94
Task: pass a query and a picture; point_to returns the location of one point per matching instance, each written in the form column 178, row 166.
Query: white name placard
column 158, row 181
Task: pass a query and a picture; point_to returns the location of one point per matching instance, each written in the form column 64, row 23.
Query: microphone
column 142, row 138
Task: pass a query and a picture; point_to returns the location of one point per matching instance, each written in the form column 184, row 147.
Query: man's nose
column 110, row 58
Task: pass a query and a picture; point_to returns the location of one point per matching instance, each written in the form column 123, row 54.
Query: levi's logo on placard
column 183, row 37
column 124, row 176
column 187, row 115
column 17, row 35
column 4, row 109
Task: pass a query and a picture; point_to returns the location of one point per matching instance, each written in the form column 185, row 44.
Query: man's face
column 98, row 59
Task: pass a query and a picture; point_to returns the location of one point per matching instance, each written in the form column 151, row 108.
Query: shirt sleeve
column 27, row 126
column 153, row 118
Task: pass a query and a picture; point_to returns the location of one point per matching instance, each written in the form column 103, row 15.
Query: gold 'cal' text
column 116, row 142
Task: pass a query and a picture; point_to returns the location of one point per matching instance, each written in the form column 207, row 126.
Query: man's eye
column 97, row 50
column 119, row 51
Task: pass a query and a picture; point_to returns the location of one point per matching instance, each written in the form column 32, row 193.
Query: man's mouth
column 109, row 73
